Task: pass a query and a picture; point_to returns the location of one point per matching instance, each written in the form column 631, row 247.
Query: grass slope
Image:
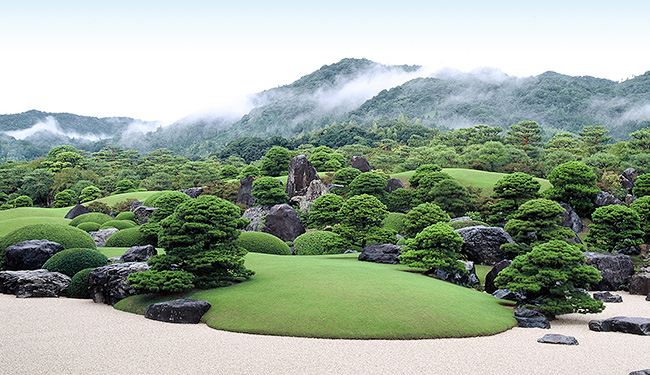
column 340, row 297
column 15, row 218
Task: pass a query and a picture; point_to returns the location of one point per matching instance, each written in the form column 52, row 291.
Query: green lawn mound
column 337, row 296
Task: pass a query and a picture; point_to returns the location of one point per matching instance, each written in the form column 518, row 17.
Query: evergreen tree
column 437, row 246
column 615, row 228
column 511, row 192
column 573, row 183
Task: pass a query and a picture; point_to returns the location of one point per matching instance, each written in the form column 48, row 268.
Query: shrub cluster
column 128, row 215
column 260, row 242
column 89, row 226
column 95, row 217
column 317, row 242
column 130, row 237
column 118, row 224
column 79, row 284
column 69, row 237
column 71, row 261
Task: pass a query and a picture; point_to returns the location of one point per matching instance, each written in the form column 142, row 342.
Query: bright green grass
column 111, row 252
column 336, row 296
column 137, row 195
column 15, row 218
column 482, row 271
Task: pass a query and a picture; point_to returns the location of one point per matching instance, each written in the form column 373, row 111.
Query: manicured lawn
column 15, row 218
column 111, row 252
column 138, row 195
column 482, row 271
column 337, row 296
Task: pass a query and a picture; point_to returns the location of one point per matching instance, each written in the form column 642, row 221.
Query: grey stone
column 527, row 318
column 640, row 282
column 135, row 204
column 640, row 372
column 76, row 211
column 34, row 283
column 393, row 184
column 469, row 279
column 192, row 192
column 30, row 255
column 360, row 163
column 315, row 190
column 607, row 297
column 138, row 254
column 283, row 222
column 462, row 218
column 628, row 178
column 245, row 193
column 509, row 295
column 143, row 214
column 553, row 338
column 482, row 244
column 616, row 269
column 108, row 285
column 113, row 260
column 102, row 235
column 381, row 253
column 256, row 215
column 185, row 310
column 606, row 199
column 301, row 174
column 624, row 324
column 489, row 286
column 570, row 219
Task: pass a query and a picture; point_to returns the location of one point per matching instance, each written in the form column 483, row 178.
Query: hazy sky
column 163, row 60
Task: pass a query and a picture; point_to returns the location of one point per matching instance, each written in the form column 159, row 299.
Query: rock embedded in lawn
column 30, row 255
column 34, row 283
column 185, row 310
column 553, row 338
column 607, row 297
column 76, row 211
column 283, row 222
column 138, row 254
column 616, row 269
column 381, row 253
column 108, row 285
column 527, row 318
column 483, row 244
column 469, row 279
column 624, row 324
column 102, row 235
column 489, row 286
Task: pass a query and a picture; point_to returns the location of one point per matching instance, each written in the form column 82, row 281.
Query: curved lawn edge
column 338, row 297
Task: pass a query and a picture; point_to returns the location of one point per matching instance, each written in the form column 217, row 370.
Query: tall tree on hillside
column 593, row 139
column 641, row 140
column 526, row 134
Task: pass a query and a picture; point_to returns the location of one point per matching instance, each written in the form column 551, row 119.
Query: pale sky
column 164, row 60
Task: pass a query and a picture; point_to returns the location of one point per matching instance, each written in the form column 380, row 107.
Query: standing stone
column 34, row 283
column 301, row 174
column 640, row 282
column 108, row 285
column 143, row 214
column 256, row 215
column 494, row 272
column 570, row 219
column 192, row 192
column 627, row 178
column 30, row 255
column 616, row 269
column 138, row 254
column 381, row 253
column 283, row 222
column 102, row 235
column 606, row 199
column 360, row 163
column 76, row 211
column 393, row 184
column 184, row 310
column 482, row 244
column 245, row 193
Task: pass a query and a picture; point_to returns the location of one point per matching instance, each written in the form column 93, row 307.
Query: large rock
column 469, row 279
column 616, row 269
column 494, row 272
column 245, row 193
column 192, row 192
column 570, row 219
column 30, row 255
column 640, row 282
column 606, row 199
column 139, row 254
column 135, row 204
column 527, row 318
column 627, row 178
column 640, row 372
column 283, row 222
column 360, row 163
column 34, row 283
column 102, row 235
column 381, row 253
column 509, row 295
column 316, row 189
column 393, row 184
column 301, row 174
column 624, row 324
column 554, row 338
column 482, row 244
column 76, row 211
column 108, row 285
column 143, row 214
column 256, row 215
column 185, row 310
column 607, row 297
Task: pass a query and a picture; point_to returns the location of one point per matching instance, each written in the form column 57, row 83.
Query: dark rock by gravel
column 192, row 192
column 607, row 297
column 108, row 285
column 245, row 193
column 647, row 298
column 143, row 214
column 301, row 174
column 624, row 324
column 482, row 244
column 138, row 254
column 256, row 215
column 570, row 219
column 102, row 235
column 76, row 211
column 640, row 282
column 527, row 318
column 489, row 286
column 393, row 184
column 381, row 253
column 640, row 372
column 185, row 310
column 606, row 199
column 283, row 222
column 616, row 269
column 553, row 338
column 509, row 295
column 34, row 283
column 360, row 163
column 30, row 255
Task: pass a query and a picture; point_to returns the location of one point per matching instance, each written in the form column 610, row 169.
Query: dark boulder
column 245, row 193
column 301, row 174
column 192, row 192
column 527, row 318
column 360, row 163
column 634, row 325
column 30, row 255
column 34, row 283
column 489, row 278
column 482, row 244
column 469, row 279
column 256, row 215
column 553, row 338
column 381, row 253
column 570, row 219
column 607, row 297
column 283, row 222
column 138, row 254
column 102, row 235
column 393, row 184
column 143, row 214
column 627, row 178
column 509, row 295
column 640, row 282
column 185, row 310
column 647, row 298
column 616, row 269
column 640, row 372
column 76, row 211
column 606, row 199
column 108, row 285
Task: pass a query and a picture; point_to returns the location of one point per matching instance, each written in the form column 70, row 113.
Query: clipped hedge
column 260, row 242
column 317, row 242
column 394, row 221
column 69, row 237
column 79, row 285
column 89, row 226
column 151, row 200
column 126, row 216
column 118, row 224
column 95, row 217
column 71, row 261
column 130, row 237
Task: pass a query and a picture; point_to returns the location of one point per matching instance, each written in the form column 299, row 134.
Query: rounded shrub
column 316, row 243
column 394, row 221
column 22, row 201
column 89, row 226
column 130, row 237
column 69, row 237
column 95, row 217
column 151, row 200
column 71, row 261
column 79, row 285
column 125, row 216
column 118, row 224
column 260, row 242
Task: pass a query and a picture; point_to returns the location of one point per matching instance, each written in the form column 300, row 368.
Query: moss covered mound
column 71, row 261
column 79, row 285
column 317, row 242
column 260, row 242
column 89, row 226
column 118, row 224
column 95, row 217
column 130, row 237
column 69, row 237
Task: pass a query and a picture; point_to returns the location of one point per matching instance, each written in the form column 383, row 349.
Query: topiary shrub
column 79, row 284
column 151, row 200
column 69, row 237
column 126, row 216
column 71, row 261
column 89, row 226
column 22, row 201
column 394, row 221
column 260, row 242
column 118, row 224
column 468, row 223
column 95, row 217
column 316, row 243
column 130, row 237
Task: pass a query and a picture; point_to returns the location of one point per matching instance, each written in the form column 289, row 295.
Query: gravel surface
column 68, row 336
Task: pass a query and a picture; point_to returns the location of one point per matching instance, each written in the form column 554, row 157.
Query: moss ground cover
column 337, row 296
